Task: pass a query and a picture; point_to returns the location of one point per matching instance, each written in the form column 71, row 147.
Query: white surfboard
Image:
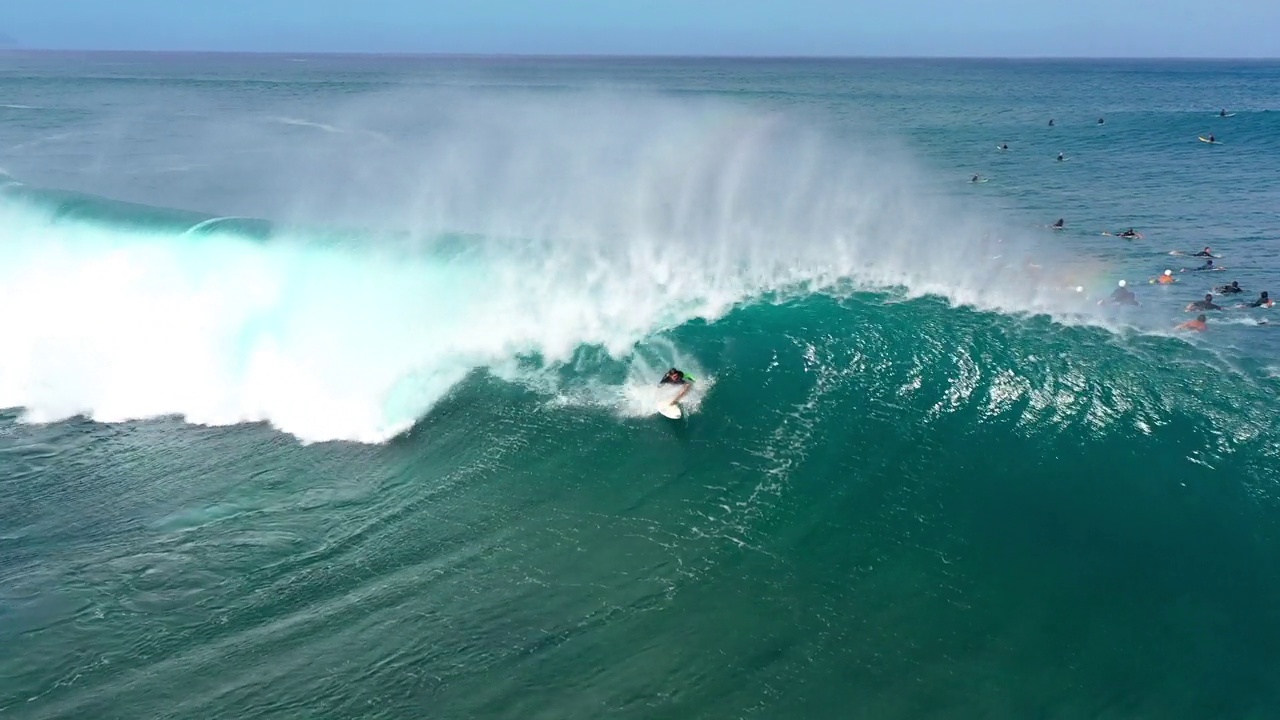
column 668, row 409
column 1211, row 142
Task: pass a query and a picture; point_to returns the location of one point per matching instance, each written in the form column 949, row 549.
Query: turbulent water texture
column 331, row 386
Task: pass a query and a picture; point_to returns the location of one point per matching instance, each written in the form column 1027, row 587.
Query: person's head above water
column 1208, row 297
column 1264, row 293
column 1123, row 283
column 1235, row 283
column 1201, row 317
column 1167, row 273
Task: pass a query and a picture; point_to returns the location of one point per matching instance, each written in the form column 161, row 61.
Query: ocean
column 330, row 388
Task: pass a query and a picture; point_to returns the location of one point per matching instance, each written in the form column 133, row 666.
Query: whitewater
column 504, row 230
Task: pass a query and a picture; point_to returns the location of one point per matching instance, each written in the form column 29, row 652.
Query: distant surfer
column 1122, row 295
column 1206, row 252
column 1101, row 121
column 1205, row 304
column 1212, row 139
column 975, row 179
column 1004, row 146
column 1050, row 122
column 1231, row 289
column 1061, row 224
column 1061, row 157
column 676, row 377
column 1166, row 279
column 1200, row 324
column 1262, row 302
column 1223, row 113
column 1128, row 234
column 1208, row 265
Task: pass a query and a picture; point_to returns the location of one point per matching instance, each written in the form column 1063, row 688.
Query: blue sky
column 1106, row 28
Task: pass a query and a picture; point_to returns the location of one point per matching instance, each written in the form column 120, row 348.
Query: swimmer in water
column 1122, row 295
column 1200, row 324
column 1205, row 304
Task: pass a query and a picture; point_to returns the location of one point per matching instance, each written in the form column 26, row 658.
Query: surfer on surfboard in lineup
column 677, row 377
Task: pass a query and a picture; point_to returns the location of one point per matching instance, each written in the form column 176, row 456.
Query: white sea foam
column 537, row 225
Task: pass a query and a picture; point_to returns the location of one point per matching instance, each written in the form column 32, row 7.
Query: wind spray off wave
column 503, row 229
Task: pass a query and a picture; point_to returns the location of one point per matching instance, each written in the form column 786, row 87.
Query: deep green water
column 380, row 444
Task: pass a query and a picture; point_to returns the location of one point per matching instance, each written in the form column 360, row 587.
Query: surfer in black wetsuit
column 1223, row 113
column 1050, row 122
column 1061, row 157
column 1212, row 138
column 1208, row 265
column 1206, row 252
column 676, row 377
column 975, row 179
column 1101, row 121
column 1231, row 289
column 1262, row 301
column 1123, row 295
column 1128, row 234
column 1205, row 304
column 1060, row 224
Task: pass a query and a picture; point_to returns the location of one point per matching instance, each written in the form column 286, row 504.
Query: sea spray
column 505, row 227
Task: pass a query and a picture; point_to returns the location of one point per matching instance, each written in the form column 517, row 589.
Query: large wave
column 502, row 232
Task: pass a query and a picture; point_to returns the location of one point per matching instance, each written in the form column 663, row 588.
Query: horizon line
column 633, row 56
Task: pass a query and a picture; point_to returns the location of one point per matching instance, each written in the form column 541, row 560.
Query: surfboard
column 979, row 180
column 1135, row 236
column 668, row 409
column 1211, row 142
column 1227, row 115
column 1180, row 253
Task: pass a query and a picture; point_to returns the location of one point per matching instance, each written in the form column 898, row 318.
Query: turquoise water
column 331, row 385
